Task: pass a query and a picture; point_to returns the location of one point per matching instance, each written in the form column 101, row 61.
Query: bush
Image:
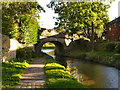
column 117, row 48
column 58, row 73
column 54, row 66
column 110, row 47
column 24, row 53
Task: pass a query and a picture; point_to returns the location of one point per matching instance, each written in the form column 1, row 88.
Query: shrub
column 54, row 66
column 24, row 53
column 110, row 47
column 58, row 73
column 117, row 48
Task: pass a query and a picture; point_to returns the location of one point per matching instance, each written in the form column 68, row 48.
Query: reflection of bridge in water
column 58, row 40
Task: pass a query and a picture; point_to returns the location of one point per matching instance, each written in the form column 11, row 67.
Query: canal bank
column 95, row 75
column 99, row 57
column 60, row 77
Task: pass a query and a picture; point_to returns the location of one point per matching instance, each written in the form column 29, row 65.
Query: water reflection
column 50, row 52
column 92, row 74
column 95, row 75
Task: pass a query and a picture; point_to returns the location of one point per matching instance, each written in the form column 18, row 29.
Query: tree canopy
column 19, row 20
column 82, row 18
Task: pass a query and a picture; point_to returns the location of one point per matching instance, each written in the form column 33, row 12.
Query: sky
column 47, row 21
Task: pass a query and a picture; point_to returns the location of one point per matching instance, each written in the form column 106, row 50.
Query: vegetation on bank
column 59, row 77
column 48, row 45
column 107, row 53
column 13, row 70
column 78, row 53
column 103, row 57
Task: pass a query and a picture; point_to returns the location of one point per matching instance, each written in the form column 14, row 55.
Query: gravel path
column 34, row 76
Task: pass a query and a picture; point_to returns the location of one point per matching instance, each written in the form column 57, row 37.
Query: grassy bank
column 59, row 77
column 107, row 58
column 13, row 70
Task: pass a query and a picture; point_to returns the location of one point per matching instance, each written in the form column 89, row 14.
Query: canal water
column 92, row 74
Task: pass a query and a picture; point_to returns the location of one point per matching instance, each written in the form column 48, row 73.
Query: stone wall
column 80, row 44
column 84, row 45
column 5, row 47
column 9, row 47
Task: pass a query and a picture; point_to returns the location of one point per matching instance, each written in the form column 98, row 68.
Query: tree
column 28, row 31
column 77, row 17
column 82, row 18
column 19, row 20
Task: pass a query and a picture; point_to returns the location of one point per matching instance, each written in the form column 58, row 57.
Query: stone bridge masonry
column 58, row 40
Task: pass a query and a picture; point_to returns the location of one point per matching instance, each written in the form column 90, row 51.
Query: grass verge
column 12, row 71
column 103, row 53
column 59, row 77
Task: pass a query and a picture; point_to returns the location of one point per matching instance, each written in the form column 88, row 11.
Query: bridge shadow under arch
column 59, row 47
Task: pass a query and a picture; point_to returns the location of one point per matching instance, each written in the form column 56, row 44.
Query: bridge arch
column 59, row 45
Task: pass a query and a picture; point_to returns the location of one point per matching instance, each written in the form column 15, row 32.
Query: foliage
column 76, row 53
column 117, row 48
column 48, row 47
column 54, row 66
column 59, row 77
column 28, row 30
column 63, row 83
column 48, row 44
column 12, row 72
column 24, row 53
column 19, row 20
column 58, row 73
column 110, row 47
column 82, row 18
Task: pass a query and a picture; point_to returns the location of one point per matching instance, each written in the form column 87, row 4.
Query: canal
column 92, row 74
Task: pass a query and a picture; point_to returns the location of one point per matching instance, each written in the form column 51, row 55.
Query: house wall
column 114, row 33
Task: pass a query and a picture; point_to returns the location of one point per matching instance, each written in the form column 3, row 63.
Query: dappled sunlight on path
column 34, row 76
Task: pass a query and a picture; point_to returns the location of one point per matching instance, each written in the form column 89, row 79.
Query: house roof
column 114, row 21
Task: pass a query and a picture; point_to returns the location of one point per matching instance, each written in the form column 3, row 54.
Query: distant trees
column 19, row 20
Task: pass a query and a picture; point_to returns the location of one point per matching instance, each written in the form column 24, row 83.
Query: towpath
column 34, row 76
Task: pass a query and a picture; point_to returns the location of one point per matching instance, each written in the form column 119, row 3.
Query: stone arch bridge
column 58, row 40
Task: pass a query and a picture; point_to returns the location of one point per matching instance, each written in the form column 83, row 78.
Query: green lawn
column 59, row 77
